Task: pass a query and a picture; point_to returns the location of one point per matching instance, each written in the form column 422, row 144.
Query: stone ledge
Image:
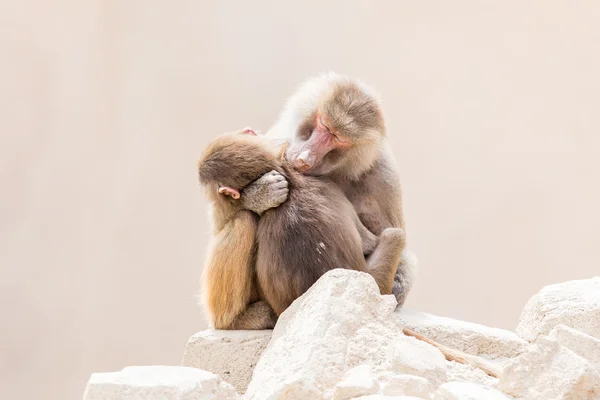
column 234, row 354
column 476, row 339
column 343, row 339
column 158, row 383
column 230, row 354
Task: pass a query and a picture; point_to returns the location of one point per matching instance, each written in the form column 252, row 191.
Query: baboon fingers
column 274, row 176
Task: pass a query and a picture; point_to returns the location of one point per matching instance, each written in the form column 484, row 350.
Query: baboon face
column 345, row 123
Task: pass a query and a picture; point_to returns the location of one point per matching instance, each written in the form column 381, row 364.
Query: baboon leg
column 256, row 317
column 383, row 263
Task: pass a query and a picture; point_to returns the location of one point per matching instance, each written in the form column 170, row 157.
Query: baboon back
column 310, row 234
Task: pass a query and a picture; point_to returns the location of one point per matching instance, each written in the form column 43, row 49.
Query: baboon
column 335, row 129
column 258, row 266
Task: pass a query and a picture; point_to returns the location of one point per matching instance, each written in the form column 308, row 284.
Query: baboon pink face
column 310, row 156
column 344, row 124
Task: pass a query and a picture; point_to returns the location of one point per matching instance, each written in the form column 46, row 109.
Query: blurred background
column 106, row 105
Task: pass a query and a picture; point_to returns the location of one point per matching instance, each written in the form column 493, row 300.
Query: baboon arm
column 369, row 239
column 269, row 191
column 228, row 272
column 377, row 197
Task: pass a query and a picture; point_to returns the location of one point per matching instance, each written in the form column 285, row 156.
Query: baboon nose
column 303, row 161
column 301, row 164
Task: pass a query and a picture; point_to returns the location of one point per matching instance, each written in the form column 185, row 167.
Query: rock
column 229, row 354
column 467, row 391
column 381, row 397
column 578, row 342
column 359, row 381
column 407, row 385
column 575, row 304
column 158, row 383
column 339, row 323
column 548, row 370
column 465, row 373
column 471, row 338
column 415, row 357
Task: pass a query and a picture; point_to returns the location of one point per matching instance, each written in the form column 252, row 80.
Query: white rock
column 340, row 322
column 415, row 357
column 359, row 381
column 229, row 354
column 158, row 383
column 467, row 391
column 575, row 304
column 465, row 373
column 382, row 397
column 471, row 338
column 548, row 370
column 581, row 344
column 407, row 385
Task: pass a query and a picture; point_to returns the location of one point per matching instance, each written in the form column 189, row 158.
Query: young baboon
column 335, row 129
column 314, row 231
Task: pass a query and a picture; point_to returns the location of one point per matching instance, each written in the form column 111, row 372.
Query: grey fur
column 269, row 191
column 366, row 172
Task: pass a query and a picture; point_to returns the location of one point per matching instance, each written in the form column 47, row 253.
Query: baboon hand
column 269, row 191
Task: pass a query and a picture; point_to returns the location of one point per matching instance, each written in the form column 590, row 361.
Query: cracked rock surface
column 343, row 340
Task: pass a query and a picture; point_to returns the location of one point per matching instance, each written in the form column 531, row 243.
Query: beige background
column 105, row 106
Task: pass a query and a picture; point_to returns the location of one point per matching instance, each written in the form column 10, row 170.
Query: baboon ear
column 249, row 131
column 227, row 191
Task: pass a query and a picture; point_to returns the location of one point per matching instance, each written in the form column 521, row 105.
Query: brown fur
column 365, row 171
column 228, row 274
column 290, row 247
column 220, row 164
column 315, row 231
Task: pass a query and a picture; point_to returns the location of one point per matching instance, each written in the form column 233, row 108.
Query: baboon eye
column 339, row 138
column 323, row 124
